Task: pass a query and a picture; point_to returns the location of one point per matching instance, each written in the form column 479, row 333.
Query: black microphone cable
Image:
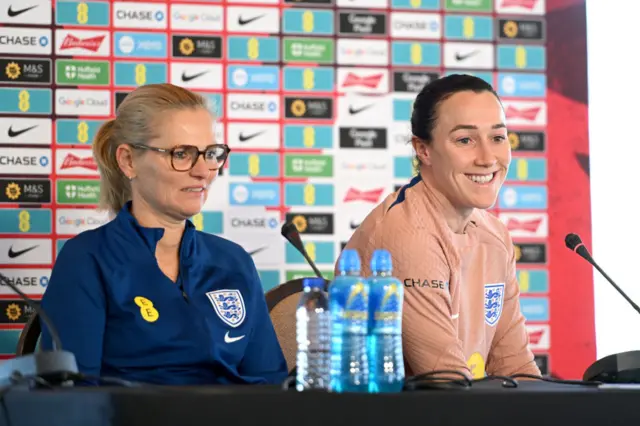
column 453, row 379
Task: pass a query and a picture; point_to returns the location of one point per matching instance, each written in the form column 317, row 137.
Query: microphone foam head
column 572, row 241
column 290, row 232
column 349, row 261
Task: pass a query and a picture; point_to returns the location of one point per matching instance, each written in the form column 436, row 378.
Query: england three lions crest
column 493, row 301
column 229, row 305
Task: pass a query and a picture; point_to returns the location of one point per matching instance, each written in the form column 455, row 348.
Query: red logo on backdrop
column 526, row 113
column 527, row 4
column 371, row 196
column 523, row 225
column 535, row 336
column 371, row 81
column 72, row 42
column 72, row 161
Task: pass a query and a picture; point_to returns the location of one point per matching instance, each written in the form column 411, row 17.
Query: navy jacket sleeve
column 264, row 357
column 75, row 301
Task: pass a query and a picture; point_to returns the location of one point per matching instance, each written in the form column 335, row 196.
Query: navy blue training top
column 122, row 317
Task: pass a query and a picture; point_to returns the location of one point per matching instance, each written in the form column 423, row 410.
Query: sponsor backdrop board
column 314, row 97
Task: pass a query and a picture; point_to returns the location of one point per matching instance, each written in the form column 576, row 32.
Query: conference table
column 485, row 403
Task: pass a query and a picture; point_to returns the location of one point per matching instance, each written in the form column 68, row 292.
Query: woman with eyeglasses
column 147, row 297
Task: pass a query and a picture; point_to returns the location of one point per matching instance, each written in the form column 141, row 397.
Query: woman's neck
column 456, row 218
column 148, row 218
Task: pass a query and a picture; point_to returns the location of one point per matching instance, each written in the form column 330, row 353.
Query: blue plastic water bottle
column 385, row 326
column 349, row 302
column 313, row 334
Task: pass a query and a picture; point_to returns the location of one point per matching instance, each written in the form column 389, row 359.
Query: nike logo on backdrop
column 229, row 339
column 244, row 138
column 13, row 13
column 256, row 251
column 14, row 133
column 187, row 78
column 13, row 254
column 462, row 57
column 355, row 111
column 248, row 21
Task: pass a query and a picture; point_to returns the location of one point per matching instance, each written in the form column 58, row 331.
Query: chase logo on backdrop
column 493, row 301
column 229, row 305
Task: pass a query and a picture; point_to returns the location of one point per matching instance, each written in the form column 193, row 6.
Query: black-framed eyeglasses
column 184, row 157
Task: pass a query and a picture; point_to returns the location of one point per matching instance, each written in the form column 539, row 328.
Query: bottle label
column 386, row 307
column 349, row 303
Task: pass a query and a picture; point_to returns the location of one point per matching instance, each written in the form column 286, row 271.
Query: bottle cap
column 313, row 283
column 381, row 261
column 349, row 261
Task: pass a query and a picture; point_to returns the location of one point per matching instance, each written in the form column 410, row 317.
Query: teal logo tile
column 9, row 341
column 263, row 49
column 403, row 167
column 312, row 137
column 309, row 194
column 269, row 279
column 25, row 221
column 312, row 22
column 254, row 165
column 132, row 74
column 402, row 109
column 528, row 170
column 76, row 132
column 85, row 13
column 215, row 103
column 518, row 57
column 60, row 244
column 306, row 79
column 416, row 4
column 319, row 252
column 25, row 101
column 465, row 27
column 210, row 222
column 416, row 54
column 533, row 280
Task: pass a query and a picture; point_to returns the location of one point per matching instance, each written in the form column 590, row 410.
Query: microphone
column 290, row 232
column 53, row 366
column 574, row 243
column 622, row 367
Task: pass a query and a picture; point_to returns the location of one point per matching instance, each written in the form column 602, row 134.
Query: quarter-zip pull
column 180, row 284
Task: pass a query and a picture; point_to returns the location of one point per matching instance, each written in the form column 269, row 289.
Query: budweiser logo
column 72, row 42
column 72, row 161
column 527, row 4
column 370, row 81
column 526, row 113
column 371, row 196
column 535, row 336
column 523, row 225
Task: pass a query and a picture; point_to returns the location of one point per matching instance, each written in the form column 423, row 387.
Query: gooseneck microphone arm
column 290, row 232
column 574, row 243
column 54, row 367
column 55, row 338
column 313, row 265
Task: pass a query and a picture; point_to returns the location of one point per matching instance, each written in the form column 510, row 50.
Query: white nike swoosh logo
column 229, row 339
column 455, row 316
